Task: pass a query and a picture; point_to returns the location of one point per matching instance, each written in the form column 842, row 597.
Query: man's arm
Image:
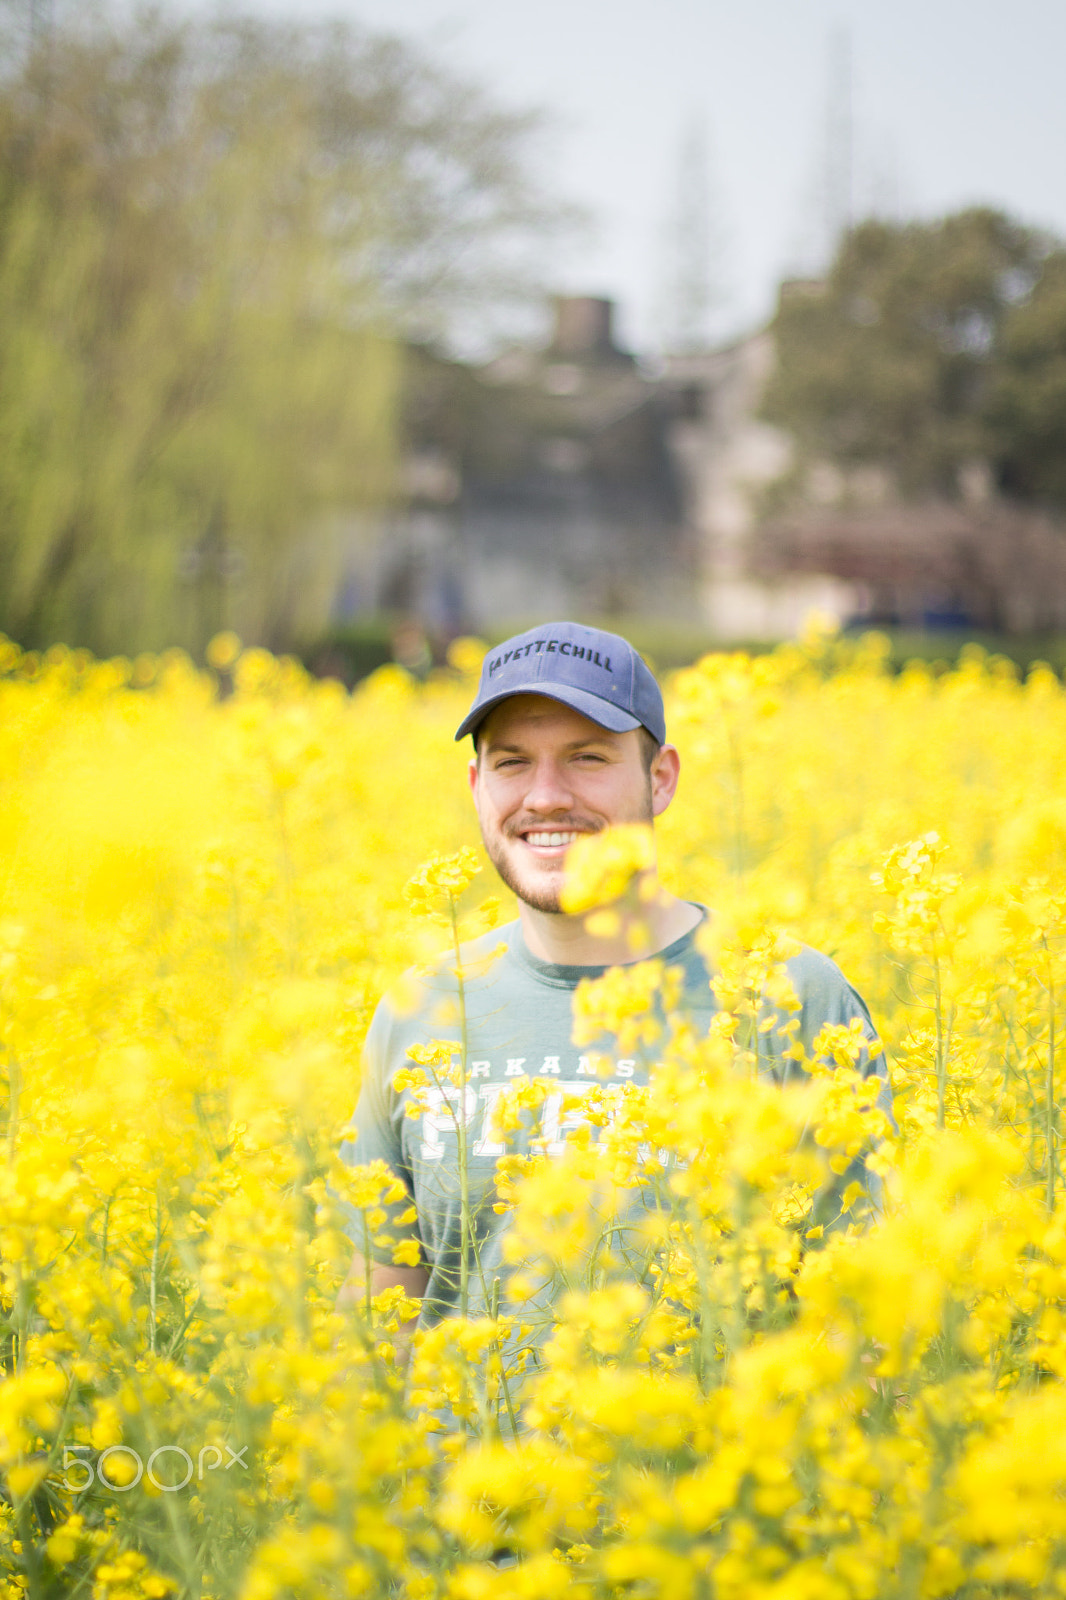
column 412, row 1280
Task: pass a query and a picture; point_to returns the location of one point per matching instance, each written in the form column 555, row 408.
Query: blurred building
column 728, row 459
column 569, row 480
column 541, row 483
column 846, row 544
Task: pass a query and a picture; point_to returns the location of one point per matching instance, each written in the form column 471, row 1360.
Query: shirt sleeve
column 793, row 1012
column 377, row 1123
column 826, row 996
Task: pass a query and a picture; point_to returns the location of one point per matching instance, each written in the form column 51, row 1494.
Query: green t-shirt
column 519, row 1025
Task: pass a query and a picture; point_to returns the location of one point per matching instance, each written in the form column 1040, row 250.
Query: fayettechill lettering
column 562, row 647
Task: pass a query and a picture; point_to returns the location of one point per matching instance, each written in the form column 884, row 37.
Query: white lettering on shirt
column 439, row 1118
column 438, row 1122
column 487, row 1144
column 555, row 1123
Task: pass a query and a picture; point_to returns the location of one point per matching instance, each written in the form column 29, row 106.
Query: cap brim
column 602, row 712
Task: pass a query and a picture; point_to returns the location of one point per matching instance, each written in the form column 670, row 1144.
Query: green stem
column 31, row 1532
column 31, row 1551
column 706, row 1352
column 183, row 1549
column 20, row 1316
column 107, row 1222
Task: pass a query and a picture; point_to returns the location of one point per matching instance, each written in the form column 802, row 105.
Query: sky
column 952, row 103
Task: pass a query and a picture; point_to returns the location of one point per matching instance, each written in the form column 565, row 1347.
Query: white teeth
column 551, row 840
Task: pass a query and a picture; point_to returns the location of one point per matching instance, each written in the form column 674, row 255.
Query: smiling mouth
column 555, row 839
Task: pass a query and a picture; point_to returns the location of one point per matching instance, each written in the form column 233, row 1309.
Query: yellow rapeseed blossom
column 714, row 1367
column 600, row 867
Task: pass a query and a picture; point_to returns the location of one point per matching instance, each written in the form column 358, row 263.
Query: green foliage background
column 212, row 241
column 931, row 345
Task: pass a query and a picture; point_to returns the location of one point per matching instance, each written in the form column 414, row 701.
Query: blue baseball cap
column 596, row 673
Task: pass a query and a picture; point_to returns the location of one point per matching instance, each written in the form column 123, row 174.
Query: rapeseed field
column 207, row 879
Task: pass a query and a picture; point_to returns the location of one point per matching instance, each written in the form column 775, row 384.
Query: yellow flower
column 601, row 866
column 223, row 650
column 201, row 903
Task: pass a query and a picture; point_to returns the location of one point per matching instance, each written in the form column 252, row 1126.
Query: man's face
column 545, row 774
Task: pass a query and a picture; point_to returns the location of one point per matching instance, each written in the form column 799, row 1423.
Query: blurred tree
column 1026, row 409
column 904, row 356
column 212, row 239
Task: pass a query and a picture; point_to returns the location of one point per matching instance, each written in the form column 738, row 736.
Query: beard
column 543, row 895
column 541, row 890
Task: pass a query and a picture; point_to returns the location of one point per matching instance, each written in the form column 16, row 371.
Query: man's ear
column 471, row 773
column 665, row 771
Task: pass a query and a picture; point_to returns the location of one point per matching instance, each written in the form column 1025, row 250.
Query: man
column 569, row 738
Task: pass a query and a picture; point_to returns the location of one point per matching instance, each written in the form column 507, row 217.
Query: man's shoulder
column 820, row 982
column 814, row 966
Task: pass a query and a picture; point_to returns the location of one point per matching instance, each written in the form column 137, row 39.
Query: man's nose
column 549, row 789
